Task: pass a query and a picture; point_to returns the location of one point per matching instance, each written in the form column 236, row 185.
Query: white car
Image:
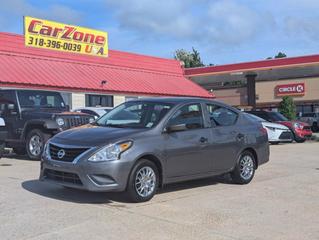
column 94, row 111
column 276, row 132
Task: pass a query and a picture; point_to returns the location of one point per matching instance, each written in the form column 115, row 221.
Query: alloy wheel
column 246, row 167
column 145, row 181
column 35, row 145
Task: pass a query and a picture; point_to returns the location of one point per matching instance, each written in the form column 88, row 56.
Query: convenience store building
column 262, row 84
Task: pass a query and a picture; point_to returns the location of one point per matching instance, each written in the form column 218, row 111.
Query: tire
column 298, row 139
column 134, row 182
column 37, row 139
column 274, row 143
column 19, row 151
column 239, row 175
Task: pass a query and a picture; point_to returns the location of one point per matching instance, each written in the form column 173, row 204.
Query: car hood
column 291, row 123
column 275, row 125
column 91, row 136
column 49, row 113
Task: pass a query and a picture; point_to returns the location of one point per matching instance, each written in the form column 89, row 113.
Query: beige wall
column 78, row 100
column 118, row 100
column 234, row 96
column 265, row 90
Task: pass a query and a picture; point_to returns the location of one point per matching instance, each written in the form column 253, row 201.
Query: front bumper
column 111, row 176
column 303, row 133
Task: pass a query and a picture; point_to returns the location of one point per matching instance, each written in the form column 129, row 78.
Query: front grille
column 285, row 136
column 69, row 153
column 75, row 121
column 307, row 127
column 64, row 177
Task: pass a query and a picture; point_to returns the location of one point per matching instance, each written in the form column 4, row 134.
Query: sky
column 223, row 31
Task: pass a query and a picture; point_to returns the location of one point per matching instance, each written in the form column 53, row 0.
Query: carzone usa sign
column 63, row 37
column 291, row 89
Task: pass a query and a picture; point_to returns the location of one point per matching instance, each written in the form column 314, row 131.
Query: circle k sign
column 290, row 89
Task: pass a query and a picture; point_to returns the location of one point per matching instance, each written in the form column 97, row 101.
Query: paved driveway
column 282, row 202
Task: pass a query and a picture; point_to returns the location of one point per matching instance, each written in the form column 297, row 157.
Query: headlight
column 46, row 150
column 110, row 152
column 91, row 120
column 298, row 125
column 60, row 121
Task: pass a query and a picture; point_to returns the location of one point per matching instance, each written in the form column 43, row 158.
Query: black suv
column 30, row 117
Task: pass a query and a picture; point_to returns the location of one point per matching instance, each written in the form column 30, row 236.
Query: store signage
column 63, row 37
column 290, row 89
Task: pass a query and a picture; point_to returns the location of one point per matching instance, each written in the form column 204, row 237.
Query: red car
column 300, row 130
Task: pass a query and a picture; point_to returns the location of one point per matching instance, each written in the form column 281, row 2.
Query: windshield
column 276, row 116
column 40, row 99
column 135, row 114
column 101, row 112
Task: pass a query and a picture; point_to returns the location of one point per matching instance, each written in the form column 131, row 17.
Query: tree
column 287, row 107
column 279, row 55
column 190, row 59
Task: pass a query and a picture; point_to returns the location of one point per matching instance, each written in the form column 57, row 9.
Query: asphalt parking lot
column 280, row 203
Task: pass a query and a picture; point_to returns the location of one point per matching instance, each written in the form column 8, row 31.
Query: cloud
column 13, row 9
column 153, row 16
column 306, row 28
column 219, row 22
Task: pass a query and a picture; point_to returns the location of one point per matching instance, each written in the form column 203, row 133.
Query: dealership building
column 89, row 80
column 262, row 84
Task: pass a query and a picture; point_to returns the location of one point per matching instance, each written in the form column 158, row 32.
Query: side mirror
column 176, row 128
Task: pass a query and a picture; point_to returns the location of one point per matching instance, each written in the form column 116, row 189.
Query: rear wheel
column 35, row 143
column 245, row 168
column 143, row 181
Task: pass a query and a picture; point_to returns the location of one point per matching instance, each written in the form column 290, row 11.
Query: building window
column 99, row 101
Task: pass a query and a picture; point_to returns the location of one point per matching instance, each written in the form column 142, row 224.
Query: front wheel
column 245, row 168
column 35, row 143
column 143, row 181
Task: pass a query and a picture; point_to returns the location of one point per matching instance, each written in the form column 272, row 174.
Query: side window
column 221, row 116
column 7, row 102
column 190, row 115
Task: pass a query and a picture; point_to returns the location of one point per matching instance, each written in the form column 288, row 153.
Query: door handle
column 203, row 140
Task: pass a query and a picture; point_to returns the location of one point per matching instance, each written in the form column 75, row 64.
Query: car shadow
column 61, row 193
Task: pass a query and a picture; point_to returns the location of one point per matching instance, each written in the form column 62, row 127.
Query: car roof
column 184, row 100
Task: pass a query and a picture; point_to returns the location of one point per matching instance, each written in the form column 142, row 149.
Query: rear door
column 226, row 136
column 187, row 152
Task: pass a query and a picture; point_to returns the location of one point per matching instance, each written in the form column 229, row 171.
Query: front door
column 187, row 151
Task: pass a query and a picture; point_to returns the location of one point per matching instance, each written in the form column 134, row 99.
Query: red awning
column 124, row 73
column 254, row 66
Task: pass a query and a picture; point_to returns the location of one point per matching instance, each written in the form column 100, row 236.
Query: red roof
column 125, row 73
column 257, row 65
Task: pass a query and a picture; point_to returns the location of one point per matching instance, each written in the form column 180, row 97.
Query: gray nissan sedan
column 142, row 145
